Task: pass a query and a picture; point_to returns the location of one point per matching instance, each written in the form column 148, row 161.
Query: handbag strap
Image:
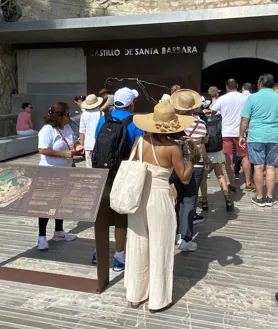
column 66, row 142
column 133, row 153
column 64, row 139
column 192, row 132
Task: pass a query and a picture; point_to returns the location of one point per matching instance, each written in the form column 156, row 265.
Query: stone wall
column 53, row 9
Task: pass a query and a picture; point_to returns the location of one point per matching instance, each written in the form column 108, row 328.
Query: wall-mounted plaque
column 51, row 192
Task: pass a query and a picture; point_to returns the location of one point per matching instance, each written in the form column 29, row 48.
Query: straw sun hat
column 91, row 102
column 163, row 120
column 186, row 100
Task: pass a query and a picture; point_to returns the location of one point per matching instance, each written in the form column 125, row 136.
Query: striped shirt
column 197, row 131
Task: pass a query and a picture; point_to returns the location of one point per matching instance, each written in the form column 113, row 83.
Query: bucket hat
column 91, row 102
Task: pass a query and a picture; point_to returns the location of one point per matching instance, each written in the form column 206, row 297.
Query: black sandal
column 205, row 206
column 230, row 206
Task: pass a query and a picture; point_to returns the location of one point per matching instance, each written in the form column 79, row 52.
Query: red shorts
column 229, row 143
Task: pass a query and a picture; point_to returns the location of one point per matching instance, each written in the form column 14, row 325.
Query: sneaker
column 42, row 243
column 269, row 202
column 250, row 188
column 187, row 246
column 258, row 202
column 118, row 265
column 276, row 297
column 198, row 219
column 232, row 189
column 63, row 236
column 178, row 237
column 208, row 177
column 94, row 259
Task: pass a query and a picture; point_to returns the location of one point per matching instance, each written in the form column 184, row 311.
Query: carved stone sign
column 51, row 192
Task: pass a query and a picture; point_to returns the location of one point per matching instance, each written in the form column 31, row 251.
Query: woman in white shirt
column 56, row 147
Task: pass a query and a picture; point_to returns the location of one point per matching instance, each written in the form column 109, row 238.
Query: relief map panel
column 51, row 192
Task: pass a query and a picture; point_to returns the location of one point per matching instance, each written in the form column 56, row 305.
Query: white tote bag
column 127, row 189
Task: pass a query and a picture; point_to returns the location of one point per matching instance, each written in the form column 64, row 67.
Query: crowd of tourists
column 184, row 139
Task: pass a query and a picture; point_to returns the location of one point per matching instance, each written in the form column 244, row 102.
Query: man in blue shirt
column 260, row 117
column 124, row 107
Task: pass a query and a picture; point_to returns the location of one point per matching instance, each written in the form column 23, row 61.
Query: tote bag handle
column 133, row 153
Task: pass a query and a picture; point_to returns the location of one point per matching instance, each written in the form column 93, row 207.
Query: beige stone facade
column 55, row 9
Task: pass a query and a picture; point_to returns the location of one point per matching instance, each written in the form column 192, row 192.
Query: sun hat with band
column 91, row 102
column 163, row 120
column 185, row 100
column 124, row 97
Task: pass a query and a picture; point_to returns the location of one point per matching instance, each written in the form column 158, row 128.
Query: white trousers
column 150, row 249
column 88, row 157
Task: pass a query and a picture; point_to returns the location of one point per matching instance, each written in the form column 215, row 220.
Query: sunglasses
column 66, row 114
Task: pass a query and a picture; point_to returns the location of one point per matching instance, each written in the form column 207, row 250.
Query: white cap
column 165, row 98
column 125, row 97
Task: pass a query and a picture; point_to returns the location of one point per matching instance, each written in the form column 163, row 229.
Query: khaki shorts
column 115, row 219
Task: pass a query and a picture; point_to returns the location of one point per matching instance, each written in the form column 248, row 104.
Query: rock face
column 55, row 9
column 49, row 9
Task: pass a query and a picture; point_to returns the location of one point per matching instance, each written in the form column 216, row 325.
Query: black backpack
column 214, row 130
column 111, row 145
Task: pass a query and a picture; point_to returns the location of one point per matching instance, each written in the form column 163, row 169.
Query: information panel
column 51, row 192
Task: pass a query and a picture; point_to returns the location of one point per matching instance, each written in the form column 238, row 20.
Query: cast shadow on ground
column 190, row 268
column 77, row 252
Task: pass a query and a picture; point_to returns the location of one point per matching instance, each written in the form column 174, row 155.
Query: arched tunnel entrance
column 242, row 69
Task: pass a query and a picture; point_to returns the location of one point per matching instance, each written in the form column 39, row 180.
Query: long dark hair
column 56, row 113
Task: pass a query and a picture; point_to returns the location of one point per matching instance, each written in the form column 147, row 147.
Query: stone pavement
column 229, row 282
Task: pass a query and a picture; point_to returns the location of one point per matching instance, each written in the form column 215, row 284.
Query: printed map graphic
column 14, row 183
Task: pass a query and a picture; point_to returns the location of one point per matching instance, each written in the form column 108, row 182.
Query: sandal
column 205, row 206
column 229, row 206
column 135, row 305
column 162, row 309
column 251, row 187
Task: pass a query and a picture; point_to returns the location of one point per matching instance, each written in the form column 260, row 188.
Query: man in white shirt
column 247, row 89
column 88, row 123
column 230, row 106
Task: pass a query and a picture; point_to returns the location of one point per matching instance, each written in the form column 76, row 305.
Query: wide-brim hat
column 186, row 100
column 163, row 120
column 91, row 102
column 104, row 91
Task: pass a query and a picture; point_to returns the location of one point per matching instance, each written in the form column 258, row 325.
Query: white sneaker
column 63, row 236
column 178, row 237
column 187, row 246
column 42, row 243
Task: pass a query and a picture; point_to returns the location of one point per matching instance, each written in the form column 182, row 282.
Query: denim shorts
column 263, row 153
